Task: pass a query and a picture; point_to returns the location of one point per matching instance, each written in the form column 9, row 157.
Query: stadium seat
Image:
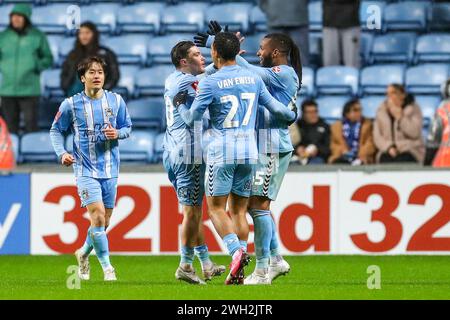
column 65, row 45
column 407, row 15
column 103, row 15
column 140, row 17
column 47, row 111
column 51, row 18
column 366, row 41
column 158, row 153
column 258, row 20
column 54, row 42
column 337, row 80
column 51, row 85
column 433, row 48
column 375, row 79
column 185, row 17
column 125, row 86
column 235, row 15
column 15, row 144
column 130, row 48
column 393, row 47
column 148, row 113
column 370, row 105
column 251, row 46
column 138, row 147
column 428, row 105
column 4, row 15
column 150, row 81
column 367, row 11
column 315, row 48
column 330, row 108
column 307, row 88
column 315, row 16
column 37, row 147
column 426, row 78
column 439, row 17
column 158, row 50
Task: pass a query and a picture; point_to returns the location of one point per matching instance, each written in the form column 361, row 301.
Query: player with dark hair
column 98, row 119
column 281, row 71
column 232, row 96
column 185, row 170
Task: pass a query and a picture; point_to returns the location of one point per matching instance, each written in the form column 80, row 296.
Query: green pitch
column 311, row 277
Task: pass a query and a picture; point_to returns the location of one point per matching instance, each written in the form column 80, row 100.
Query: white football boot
column 258, row 277
column 187, row 273
column 214, row 270
column 278, row 268
column 110, row 274
column 83, row 266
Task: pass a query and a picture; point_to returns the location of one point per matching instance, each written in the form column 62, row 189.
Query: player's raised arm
column 279, row 110
column 198, row 107
column 264, row 73
column 123, row 121
column 61, row 125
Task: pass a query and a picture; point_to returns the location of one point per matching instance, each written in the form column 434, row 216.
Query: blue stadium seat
column 366, row 41
column 15, row 144
column 258, row 19
column 138, row 147
column 185, row 17
column 125, row 86
column 158, row 153
column 158, row 50
column 330, row 108
column 148, row 113
column 439, row 17
column 251, row 46
column 4, row 15
column 433, row 48
column 103, row 15
column 130, row 48
column 367, row 11
column 54, row 42
column 375, row 79
column 393, row 47
column 315, row 48
column 65, row 46
column 51, row 86
column 140, row 17
column 150, row 81
column 407, row 15
column 370, row 105
column 235, row 15
column 426, row 78
column 315, row 16
column 47, row 109
column 37, row 147
column 51, row 19
column 337, row 80
column 307, row 88
column 428, row 105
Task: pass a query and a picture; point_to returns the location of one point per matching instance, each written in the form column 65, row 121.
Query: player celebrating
column 185, row 170
column 231, row 95
column 275, row 147
column 98, row 119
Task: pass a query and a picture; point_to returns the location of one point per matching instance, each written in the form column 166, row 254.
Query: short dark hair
column 86, row 63
column 227, row 45
column 348, row 106
column 307, row 103
column 180, row 51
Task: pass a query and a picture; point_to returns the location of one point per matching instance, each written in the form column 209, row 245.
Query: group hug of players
column 227, row 138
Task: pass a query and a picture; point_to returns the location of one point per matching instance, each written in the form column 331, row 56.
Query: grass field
column 152, row 277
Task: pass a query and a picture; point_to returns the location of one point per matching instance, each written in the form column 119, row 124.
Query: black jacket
column 340, row 13
column 69, row 69
column 317, row 134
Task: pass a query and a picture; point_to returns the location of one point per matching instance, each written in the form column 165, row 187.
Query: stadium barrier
column 335, row 212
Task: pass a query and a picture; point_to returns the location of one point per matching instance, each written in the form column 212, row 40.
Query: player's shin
column 88, row 244
column 262, row 221
column 101, row 246
column 274, row 247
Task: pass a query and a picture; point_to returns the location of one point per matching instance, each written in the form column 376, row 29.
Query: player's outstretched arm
column 264, row 73
column 279, row 110
column 61, row 125
column 198, row 107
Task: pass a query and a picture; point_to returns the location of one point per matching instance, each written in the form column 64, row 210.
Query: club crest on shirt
column 276, row 69
column 194, row 85
column 84, row 194
column 109, row 112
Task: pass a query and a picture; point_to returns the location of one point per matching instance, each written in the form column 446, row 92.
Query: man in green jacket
column 24, row 54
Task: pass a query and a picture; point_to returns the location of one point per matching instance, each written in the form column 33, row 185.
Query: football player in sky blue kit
column 232, row 96
column 98, row 119
column 182, row 160
column 275, row 146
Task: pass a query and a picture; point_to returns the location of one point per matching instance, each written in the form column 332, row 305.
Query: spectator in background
column 290, row 17
column 24, row 54
column 398, row 128
column 341, row 33
column 351, row 137
column 87, row 44
column 314, row 146
column 438, row 139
